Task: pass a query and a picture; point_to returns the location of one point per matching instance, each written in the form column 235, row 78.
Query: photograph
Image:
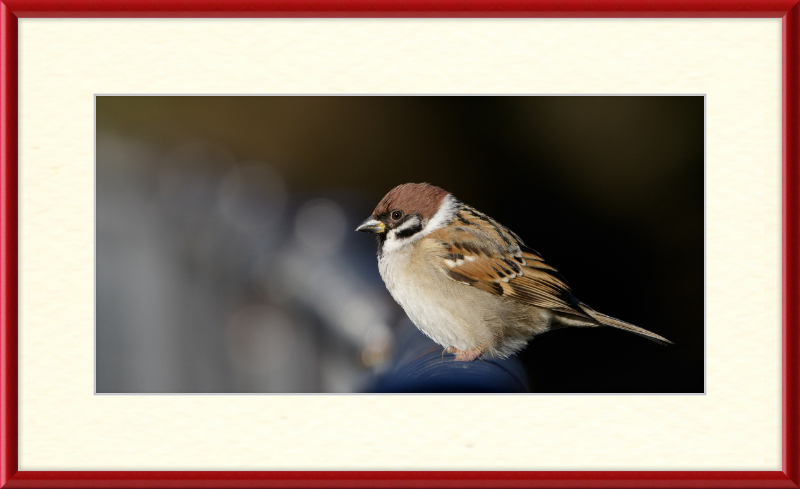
column 400, row 244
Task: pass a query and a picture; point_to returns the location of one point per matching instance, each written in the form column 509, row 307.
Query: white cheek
column 414, row 221
column 394, row 243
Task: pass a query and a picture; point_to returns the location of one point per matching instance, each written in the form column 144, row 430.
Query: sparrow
column 468, row 282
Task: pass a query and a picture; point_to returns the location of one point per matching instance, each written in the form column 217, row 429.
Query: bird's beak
column 371, row 226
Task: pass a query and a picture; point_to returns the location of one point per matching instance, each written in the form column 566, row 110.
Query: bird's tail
column 616, row 323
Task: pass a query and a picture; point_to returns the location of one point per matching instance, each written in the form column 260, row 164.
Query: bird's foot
column 465, row 356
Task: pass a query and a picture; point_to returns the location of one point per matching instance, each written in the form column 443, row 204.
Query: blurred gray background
column 227, row 261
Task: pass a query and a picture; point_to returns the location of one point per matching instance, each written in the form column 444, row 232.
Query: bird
column 468, row 282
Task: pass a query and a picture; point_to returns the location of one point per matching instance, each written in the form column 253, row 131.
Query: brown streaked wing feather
column 515, row 271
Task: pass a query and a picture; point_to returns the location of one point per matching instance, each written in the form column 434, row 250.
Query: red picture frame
column 12, row 10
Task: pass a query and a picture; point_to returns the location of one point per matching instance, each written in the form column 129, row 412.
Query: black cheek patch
column 405, row 233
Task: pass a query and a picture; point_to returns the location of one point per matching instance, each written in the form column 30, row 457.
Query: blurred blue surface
column 420, row 367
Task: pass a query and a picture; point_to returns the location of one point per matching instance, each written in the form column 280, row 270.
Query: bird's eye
column 397, row 215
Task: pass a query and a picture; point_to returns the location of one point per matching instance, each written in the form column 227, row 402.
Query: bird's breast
column 450, row 313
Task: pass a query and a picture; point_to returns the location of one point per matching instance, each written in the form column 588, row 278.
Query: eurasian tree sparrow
column 468, row 282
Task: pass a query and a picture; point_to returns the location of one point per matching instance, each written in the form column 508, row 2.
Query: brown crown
column 412, row 197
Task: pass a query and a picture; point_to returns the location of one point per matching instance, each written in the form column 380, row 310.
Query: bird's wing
column 494, row 259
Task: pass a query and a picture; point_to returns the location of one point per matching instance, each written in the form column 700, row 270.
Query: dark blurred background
column 227, row 259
